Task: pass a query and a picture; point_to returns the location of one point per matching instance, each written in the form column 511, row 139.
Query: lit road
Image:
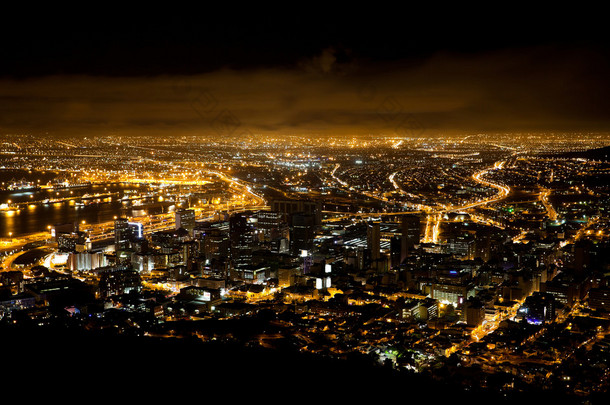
column 433, row 223
column 435, row 215
column 489, row 326
column 7, row 261
column 503, row 191
column 584, row 230
column 392, row 179
column 544, row 198
column 241, row 186
column 337, row 179
column 431, row 232
column 351, row 188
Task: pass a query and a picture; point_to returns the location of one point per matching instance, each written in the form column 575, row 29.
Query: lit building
column 185, row 219
column 215, row 245
column 474, row 312
column 538, row 308
column 298, row 206
column 287, row 276
column 88, row 260
column 454, row 294
column 462, row 246
column 68, row 242
column 373, row 240
column 241, row 235
column 410, row 234
column 251, row 274
column 599, row 298
column 302, row 232
column 125, row 232
column 118, row 281
column 272, row 225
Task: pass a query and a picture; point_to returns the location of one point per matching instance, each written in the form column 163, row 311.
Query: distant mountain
column 602, row 154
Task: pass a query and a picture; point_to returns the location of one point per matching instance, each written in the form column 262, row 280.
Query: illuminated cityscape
column 410, row 251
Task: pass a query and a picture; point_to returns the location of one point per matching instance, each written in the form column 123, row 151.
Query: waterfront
column 35, row 211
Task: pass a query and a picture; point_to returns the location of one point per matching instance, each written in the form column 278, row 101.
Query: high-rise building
column 538, row 308
column 395, row 251
column 462, row 246
column 122, row 234
column 216, row 244
column 373, row 240
column 298, row 206
column 125, row 233
column 185, row 219
column 599, row 298
column 241, row 235
column 189, row 254
column 69, row 242
column 410, row 234
column 272, row 225
column 302, row 232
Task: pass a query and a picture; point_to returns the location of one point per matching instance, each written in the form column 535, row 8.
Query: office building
column 185, row 219
column 373, row 240
column 410, row 234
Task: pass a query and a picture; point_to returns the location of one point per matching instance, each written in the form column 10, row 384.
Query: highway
column 434, row 215
column 434, row 219
column 503, row 191
column 337, row 179
column 351, row 188
column 544, row 198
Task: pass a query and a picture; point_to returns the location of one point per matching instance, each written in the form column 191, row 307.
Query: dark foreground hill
column 84, row 366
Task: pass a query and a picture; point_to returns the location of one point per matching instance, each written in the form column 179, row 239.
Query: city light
column 294, row 208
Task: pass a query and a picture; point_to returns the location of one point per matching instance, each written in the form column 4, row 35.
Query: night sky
column 383, row 73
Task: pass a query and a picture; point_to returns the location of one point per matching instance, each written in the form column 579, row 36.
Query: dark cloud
column 401, row 74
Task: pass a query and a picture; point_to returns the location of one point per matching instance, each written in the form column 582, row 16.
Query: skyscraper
column 373, row 240
column 122, row 234
column 302, row 231
column 410, row 229
column 125, row 233
column 241, row 235
column 185, row 219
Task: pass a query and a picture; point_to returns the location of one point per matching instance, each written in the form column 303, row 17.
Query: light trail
column 436, row 228
column 432, row 231
column 334, row 176
column 351, row 189
column 503, row 191
column 427, row 238
column 69, row 145
column 550, row 211
column 433, row 220
column 434, row 217
column 397, row 186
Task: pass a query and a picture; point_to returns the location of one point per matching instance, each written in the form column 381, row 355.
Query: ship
column 59, row 184
column 22, row 185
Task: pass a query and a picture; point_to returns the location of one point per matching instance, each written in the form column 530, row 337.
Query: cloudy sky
column 402, row 75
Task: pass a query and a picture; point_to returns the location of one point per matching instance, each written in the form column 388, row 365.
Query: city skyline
column 227, row 203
